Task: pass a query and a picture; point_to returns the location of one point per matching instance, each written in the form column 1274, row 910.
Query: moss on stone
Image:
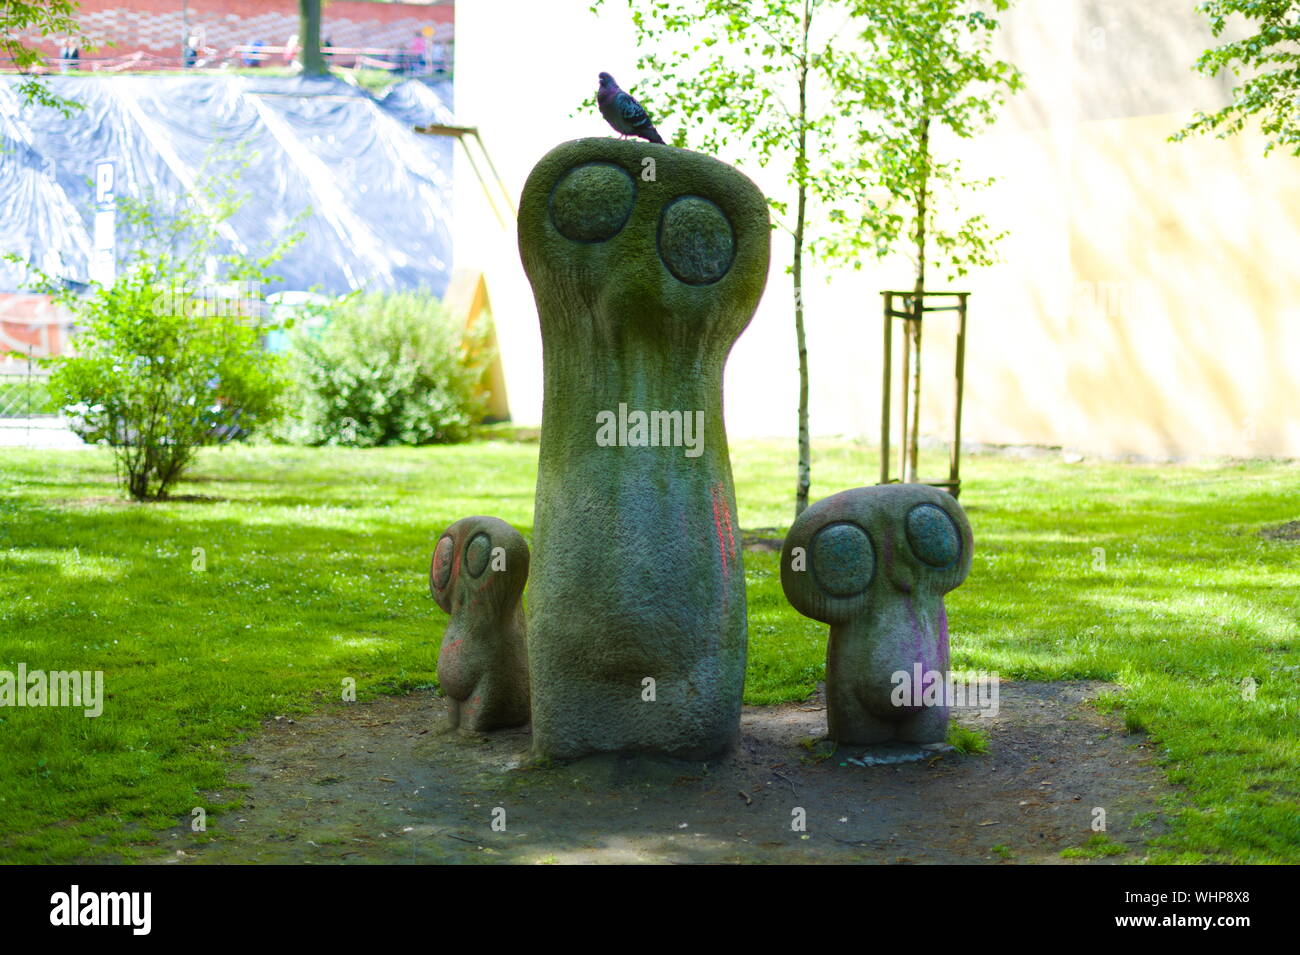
column 591, row 203
column 696, row 241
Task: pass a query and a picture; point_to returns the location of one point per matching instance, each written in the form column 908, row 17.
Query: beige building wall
column 1148, row 301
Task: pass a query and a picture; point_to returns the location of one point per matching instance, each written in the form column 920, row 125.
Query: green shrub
column 162, row 364
column 157, row 374
column 388, row 368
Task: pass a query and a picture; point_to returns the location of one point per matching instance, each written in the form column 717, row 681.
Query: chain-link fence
column 29, row 418
column 23, row 390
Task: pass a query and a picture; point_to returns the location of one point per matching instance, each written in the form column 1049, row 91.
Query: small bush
column 388, row 368
column 155, row 378
column 164, row 360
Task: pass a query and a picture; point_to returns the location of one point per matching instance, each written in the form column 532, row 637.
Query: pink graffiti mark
column 726, row 519
column 943, row 637
column 919, row 632
column 717, row 526
column 722, row 525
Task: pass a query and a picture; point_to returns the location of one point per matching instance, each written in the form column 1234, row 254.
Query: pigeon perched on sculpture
column 625, row 114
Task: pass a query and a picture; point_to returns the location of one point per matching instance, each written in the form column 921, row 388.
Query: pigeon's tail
column 652, row 134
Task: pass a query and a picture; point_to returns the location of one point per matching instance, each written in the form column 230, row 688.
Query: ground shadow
column 385, row 782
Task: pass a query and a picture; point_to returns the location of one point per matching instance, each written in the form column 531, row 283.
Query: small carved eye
column 477, row 552
column 592, row 202
column 442, row 561
column 696, row 240
column 933, row 535
column 843, row 559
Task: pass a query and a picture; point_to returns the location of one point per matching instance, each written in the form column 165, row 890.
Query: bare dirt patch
column 767, row 540
column 384, row 782
column 1283, row 532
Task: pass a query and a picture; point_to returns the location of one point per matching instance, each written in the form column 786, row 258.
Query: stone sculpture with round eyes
column 646, row 263
column 874, row 563
column 479, row 568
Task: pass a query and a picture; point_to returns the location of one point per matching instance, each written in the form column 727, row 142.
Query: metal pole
column 954, row 464
column 28, row 389
column 903, row 390
column 887, row 360
column 483, row 182
column 495, row 175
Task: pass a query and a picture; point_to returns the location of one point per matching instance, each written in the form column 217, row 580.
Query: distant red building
column 120, row 29
column 30, row 324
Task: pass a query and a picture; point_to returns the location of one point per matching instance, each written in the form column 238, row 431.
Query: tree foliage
column 1269, row 61
column 843, row 96
column 49, row 18
column 922, row 67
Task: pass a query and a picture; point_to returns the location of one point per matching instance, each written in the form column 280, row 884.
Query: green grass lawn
column 315, row 572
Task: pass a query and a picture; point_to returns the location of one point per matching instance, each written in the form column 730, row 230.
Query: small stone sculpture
column 479, row 568
column 647, row 263
column 874, row 563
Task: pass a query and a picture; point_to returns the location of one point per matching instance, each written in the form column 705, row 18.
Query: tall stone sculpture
column 874, row 563
column 647, row 263
column 479, row 568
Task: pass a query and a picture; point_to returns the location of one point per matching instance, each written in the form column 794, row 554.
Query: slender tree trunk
column 804, row 482
column 313, row 63
column 805, row 446
column 913, row 434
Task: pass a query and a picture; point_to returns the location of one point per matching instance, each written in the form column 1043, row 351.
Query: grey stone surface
column 638, row 572
column 874, row 563
column 895, row 754
column 477, row 575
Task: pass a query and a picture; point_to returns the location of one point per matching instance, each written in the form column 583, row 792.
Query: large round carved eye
column 442, row 562
column 477, row 553
column 843, row 559
column 592, row 203
column 933, row 535
column 696, row 240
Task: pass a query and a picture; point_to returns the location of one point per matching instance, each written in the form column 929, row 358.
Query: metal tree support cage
column 910, row 391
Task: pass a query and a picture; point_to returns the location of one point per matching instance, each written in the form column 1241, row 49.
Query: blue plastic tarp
column 319, row 155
